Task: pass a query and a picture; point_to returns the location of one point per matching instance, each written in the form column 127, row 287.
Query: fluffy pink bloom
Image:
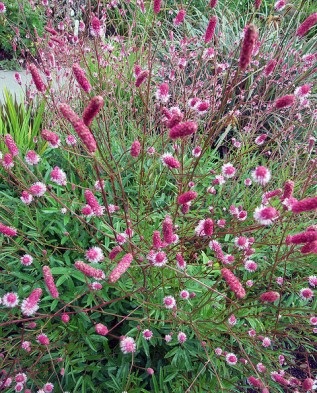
column 96, row 29
column 285, row 101
column 303, row 91
column 233, row 282
column 280, row 5
column 249, row 40
column 261, row 175
column 32, row 158
column 257, row 4
column 250, row 266
column 181, row 337
column 26, row 345
column 270, row 194
column 181, row 130
column 313, row 321
column 89, row 271
column 121, row 268
column 92, row 109
column 101, row 329
column 157, row 6
column 304, row 205
column 270, row 67
column 52, row 138
column 141, row 78
column 205, row 227
column 269, row 296
column 94, row 254
column 312, row 281
column 65, row 317
column 231, row 359
column 7, row 231
column 179, row 17
column 70, row 140
column 228, row 170
column 157, row 258
column 213, row 3
column 49, row 282
column 242, row 242
column 10, row 299
column 58, row 176
column 162, row 93
column 169, row 161
column 7, row 161
column 184, row 294
column 147, row 334
column 127, row 345
column 26, row 197
column 150, row 371
column 306, row 293
column 169, row 302
column 48, row 387
column 135, row 149
column 265, row 215
column 26, row 260
column 21, row 377
column 167, row 230
column 81, row 78
column 36, row 77
column 12, row 147
column 85, row 135
column 186, row 197
column 37, row 189
column 210, row 31
column 303, row 237
column 307, row 25
column 30, row 305
column 156, row 240
column 43, row 339
column 308, row 384
column 173, row 116
column 196, row 152
column 2, row 8
column 232, row 320
column 260, row 139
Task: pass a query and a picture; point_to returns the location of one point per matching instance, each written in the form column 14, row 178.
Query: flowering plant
column 155, row 244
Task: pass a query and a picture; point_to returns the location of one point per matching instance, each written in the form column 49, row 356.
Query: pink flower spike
column 234, row 283
column 181, row 130
column 162, row 93
column 52, row 138
column 210, row 31
column 39, row 84
column 7, row 161
column 7, row 231
column 250, row 38
column 93, row 108
column 179, row 17
column 101, row 329
column 49, row 281
column 30, row 305
column 304, row 205
column 121, row 268
column 141, row 78
column 213, row 3
column 186, row 197
column 127, row 345
column 12, row 147
column 81, row 78
column 157, row 6
column 89, row 271
column 285, row 101
column 167, row 230
column 307, row 25
column 114, row 252
column 269, row 297
column 135, row 149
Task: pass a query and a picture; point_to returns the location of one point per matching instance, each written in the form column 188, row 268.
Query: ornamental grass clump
column 159, row 234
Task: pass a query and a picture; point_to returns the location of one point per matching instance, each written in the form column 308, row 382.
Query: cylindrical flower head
column 7, row 231
column 30, row 305
column 39, row 84
column 250, row 37
column 49, row 282
column 157, row 6
column 234, row 283
column 167, row 230
column 121, row 268
column 91, row 111
column 210, row 31
column 169, row 161
column 181, row 130
column 68, row 113
column 285, row 101
column 12, row 147
column 85, row 135
column 307, row 25
column 255, row 382
column 213, row 3
column 101, row 329
column 141, row 78
column 186, row 197
column 303, row 237
column 81, row 78
column 156, row 240
column 269, row 296
column 257, row 4
column 51, row 138
column 304, row 205
column 309, row 248
column 135, row 149
column 89, row 271
column 288, row 190
column 114, row 252
column 270, row 67
column 179, row 17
